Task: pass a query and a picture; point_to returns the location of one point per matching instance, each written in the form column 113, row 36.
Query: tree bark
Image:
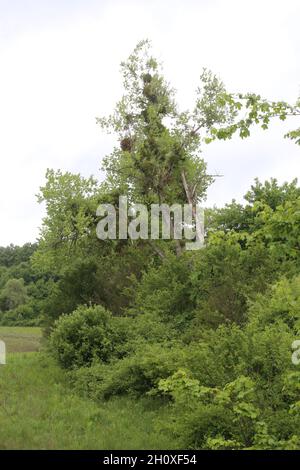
column 191, row 198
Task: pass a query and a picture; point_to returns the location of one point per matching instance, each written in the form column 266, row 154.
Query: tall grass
column 39, row 411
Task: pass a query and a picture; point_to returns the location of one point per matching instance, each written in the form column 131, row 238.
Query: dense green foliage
column 22, row 290
column 205, row 335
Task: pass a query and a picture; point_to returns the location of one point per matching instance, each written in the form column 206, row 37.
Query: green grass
column 39, row 411
column 21, row 338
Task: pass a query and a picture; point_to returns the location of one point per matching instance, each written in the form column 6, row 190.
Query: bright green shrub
column 86, row 335
column 228, row 417
column 212, row 417
column 281, row 304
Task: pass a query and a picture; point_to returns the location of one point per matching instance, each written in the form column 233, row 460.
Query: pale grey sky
column 60, row 69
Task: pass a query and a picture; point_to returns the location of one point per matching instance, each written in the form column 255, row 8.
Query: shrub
column 86, row 335
column 207, row 417
column 281, row 304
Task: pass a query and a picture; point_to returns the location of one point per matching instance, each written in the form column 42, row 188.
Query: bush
column 240, row 389
column 281, row 304
column 215, row 417
column 86, row 335
column 229, row 417
column 137, row 374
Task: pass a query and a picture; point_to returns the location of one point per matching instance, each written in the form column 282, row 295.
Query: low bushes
column 230, row 387
column 137, row 374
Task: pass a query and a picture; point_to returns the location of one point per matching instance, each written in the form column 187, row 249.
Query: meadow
column 38, row 409
column 21, row 338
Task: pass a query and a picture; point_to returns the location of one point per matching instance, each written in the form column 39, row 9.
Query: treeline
column 23, row 291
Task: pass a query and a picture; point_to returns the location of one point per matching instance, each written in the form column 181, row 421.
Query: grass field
column 38, row 410
column 21, row 338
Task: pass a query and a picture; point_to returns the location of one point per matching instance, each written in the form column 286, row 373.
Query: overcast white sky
column 59, row 64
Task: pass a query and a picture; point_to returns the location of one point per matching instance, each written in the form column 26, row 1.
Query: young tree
column 71, row 202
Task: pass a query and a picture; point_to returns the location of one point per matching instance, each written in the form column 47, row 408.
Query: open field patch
column 21, row 339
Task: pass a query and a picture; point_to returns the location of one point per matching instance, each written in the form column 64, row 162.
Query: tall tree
column 158, row 159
